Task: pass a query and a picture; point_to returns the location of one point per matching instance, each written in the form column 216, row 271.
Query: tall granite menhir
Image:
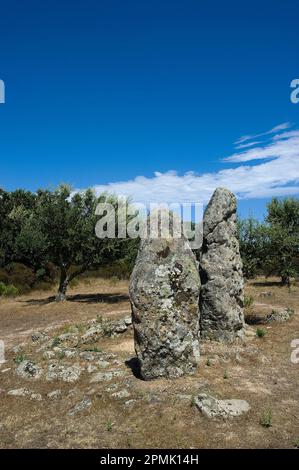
column 222, row 296
column 164, row 292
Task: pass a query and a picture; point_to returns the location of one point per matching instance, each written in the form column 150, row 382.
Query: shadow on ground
column 83, row 298
column 267, row 284
column 133, row 364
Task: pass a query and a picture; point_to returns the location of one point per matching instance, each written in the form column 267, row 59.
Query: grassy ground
column 258, row 370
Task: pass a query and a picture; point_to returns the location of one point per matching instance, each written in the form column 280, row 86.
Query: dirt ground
column 156, row 414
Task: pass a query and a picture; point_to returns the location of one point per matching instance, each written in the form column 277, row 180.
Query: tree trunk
column 285, row 280
column 63, row 285
column 65, row 279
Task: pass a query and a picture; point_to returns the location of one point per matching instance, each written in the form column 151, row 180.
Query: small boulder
column 81, row 406
column 29, row 370
column 19, row 392
column 279, row 315
column 121, row 394
column 92, row 335
column 68, row 374
column 213, row 408
column 54, row 395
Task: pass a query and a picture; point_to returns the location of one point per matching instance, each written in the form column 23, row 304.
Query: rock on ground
column 222, row 296
column 28, row 370
column 54, row 395
column 121, row 394
column 68, row 374
column 164, row 293
column 213, row 408
column 81, row 406
column 24, row 392
column 19, row 392
column 280, row 316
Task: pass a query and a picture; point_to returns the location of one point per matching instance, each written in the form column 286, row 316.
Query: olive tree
column 62, row 230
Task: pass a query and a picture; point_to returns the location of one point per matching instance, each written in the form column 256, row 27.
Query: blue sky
column 99, row 93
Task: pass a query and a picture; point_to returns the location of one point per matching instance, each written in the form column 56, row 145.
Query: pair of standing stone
column 175, row 302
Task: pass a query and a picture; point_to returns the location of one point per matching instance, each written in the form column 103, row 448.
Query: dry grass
column 258, row 370
column 19, row 317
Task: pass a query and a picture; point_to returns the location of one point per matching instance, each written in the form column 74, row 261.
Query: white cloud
column 249, row 144
column 280, row 127
column 277, row 175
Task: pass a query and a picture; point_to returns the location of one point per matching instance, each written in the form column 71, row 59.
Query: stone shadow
column 134, row 365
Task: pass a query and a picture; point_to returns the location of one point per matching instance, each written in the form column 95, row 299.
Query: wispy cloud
column 276, row 175
column 274, row 130
column 249, row 144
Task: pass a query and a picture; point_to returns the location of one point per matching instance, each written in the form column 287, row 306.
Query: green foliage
column 260, row 332
column 248, row 301
column 8, row 290
column 272, row 247
column 15, row 208
column 55, row 342
column 296, row 443
column 20, row 358
column 266, row 419
column 51, row 234
column 109, row 425
column 225, row 375
column 252, row 246
column 283, row 221
column 19, row 275
column 56, row 229
column 67, row 222
column 285, row 213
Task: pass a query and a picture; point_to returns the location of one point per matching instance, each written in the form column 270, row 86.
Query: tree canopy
column 59, row 227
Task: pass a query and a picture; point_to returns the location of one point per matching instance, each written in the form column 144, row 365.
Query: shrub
column 248, row 301
column 260, row 333
column 8, row 291
column 266, row 419
column 55, row 342
column 109, row 425
column 18, row 275
column 20, row 358
column 24, row 278
column 2, row 288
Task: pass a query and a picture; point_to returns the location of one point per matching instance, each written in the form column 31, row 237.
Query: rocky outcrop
column 222, row 296
column 164, row 293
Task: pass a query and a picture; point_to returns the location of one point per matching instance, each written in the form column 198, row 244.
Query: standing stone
column 164, row 292
column 222, row 296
